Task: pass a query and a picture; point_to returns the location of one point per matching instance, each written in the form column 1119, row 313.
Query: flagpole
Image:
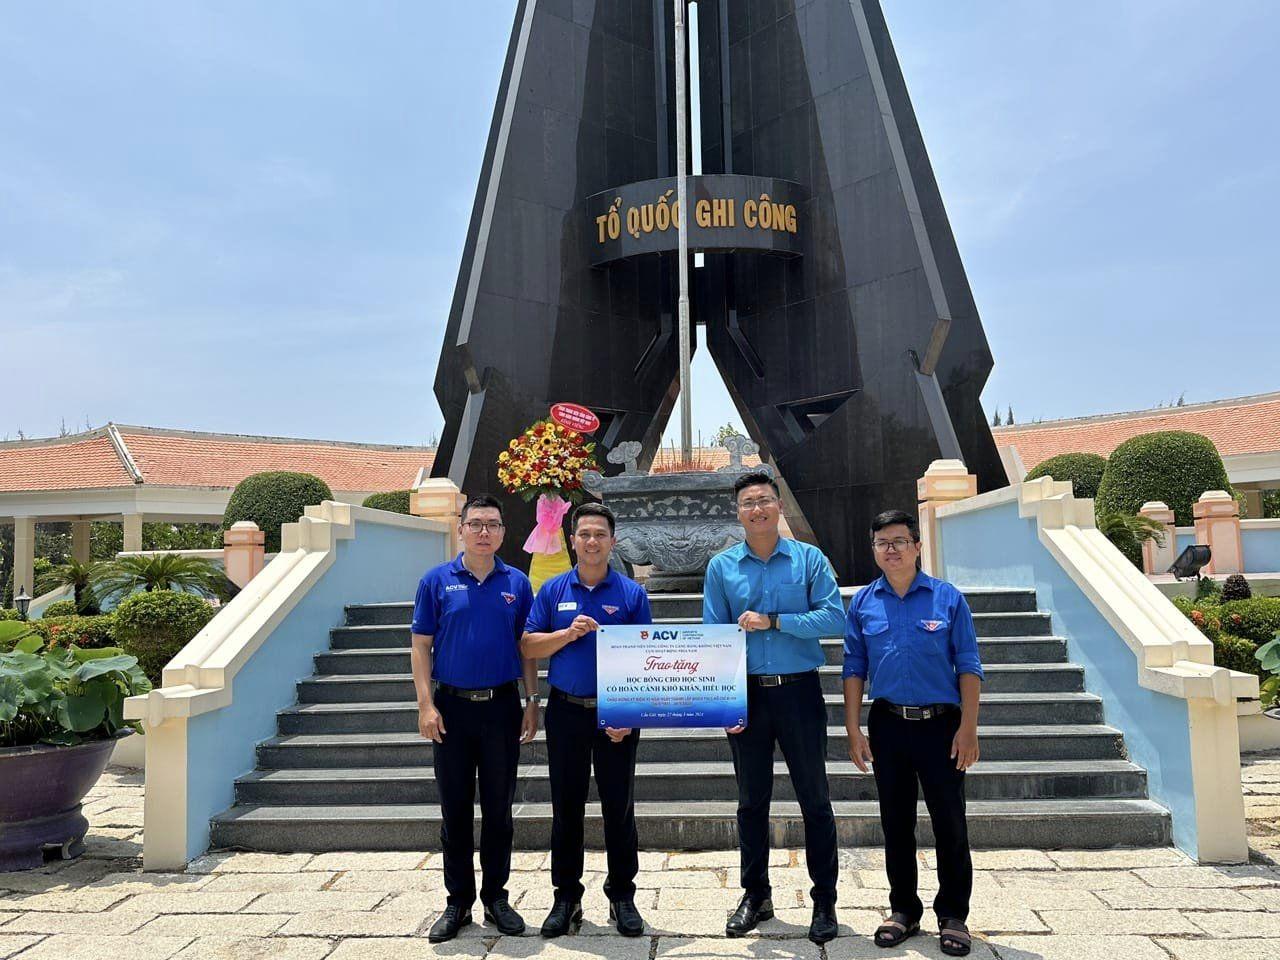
column 682, row 124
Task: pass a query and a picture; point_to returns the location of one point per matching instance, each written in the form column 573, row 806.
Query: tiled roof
column 70, row 463
column 179, row 458
column 1244, row 425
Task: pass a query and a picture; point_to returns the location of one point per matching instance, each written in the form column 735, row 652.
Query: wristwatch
column 533, row 698
column 773, row 622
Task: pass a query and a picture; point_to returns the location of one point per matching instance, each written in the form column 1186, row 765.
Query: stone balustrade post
column 438, row 498
column 243, row 552
column 946, row 481
column 1217, row 520
column 1158, row 558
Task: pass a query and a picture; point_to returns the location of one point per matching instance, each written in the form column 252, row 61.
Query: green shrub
column 1127, row 533
column 1256, row 619
column 1084, row 470
column 1205, row 617
column 1173, row 466
column 88, row 633
column 1236, row 587
column 1237, row 653
column 8, row 614
column 60, row 608
column 154, row 626
column 397, row 501
column 272, row 499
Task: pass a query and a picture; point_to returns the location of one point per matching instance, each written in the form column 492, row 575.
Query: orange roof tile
column 1245, row 425
column 71, row 463
column 178, row 458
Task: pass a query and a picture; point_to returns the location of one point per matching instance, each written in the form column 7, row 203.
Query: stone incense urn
column 674, row 522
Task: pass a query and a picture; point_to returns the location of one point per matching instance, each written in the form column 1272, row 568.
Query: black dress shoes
column 563, row 918
column 502, row 916
column 450, row 922
column 627, row 918
column 750, row 913
column 824, row 927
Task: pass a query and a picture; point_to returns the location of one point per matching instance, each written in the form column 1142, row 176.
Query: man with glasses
column 562, row 625
column 783, row 593
column 912, row 637
column 467, row 621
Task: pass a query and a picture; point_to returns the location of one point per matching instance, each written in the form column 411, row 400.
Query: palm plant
column 81, row 577
column 164, row 571
column 1128, row 532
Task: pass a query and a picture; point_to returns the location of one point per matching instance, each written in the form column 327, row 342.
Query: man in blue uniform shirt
column 467, row 621
column 783, row 593
column 562, row 625
column 912, row 637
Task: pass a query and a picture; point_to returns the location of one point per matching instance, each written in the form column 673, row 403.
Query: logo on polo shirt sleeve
column 509, row 597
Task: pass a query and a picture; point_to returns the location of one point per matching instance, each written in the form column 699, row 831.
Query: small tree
column 273, row 499
column 78, row 576
column 1173, row 466
column 166, row 571
column 995, row 418
column 1009, row 416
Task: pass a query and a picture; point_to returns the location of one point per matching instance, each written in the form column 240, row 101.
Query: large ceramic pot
column 674, row 522
column 40, row 801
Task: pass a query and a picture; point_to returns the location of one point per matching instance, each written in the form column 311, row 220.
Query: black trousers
column 908, row 752
column 794, row 717
column 481, row 738
column 574, row 745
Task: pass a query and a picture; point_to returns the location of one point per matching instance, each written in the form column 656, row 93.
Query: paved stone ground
column 1117, row 904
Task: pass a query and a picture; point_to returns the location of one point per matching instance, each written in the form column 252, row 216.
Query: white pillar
column 1158, row 558
column 80, row 540
column 1217, row 520
column 132, row 532
column 243, row 555
column 24, row 555
column 946, row 481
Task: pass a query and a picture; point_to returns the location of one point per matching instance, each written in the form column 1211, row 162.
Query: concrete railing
column 220, row 694
column 1152, row 668
column 1237, row 546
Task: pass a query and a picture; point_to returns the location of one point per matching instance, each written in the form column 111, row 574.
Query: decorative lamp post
column 23, row 602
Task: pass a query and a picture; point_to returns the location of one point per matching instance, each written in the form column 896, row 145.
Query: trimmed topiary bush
column 60, row 608
column 272, row 499
column 1174, row 466
column 1236, row 587
column 1084, row 470
column 1256, row 619
column 397, row 501
column 85, row 632
column 1237, row 653
column 154, row 626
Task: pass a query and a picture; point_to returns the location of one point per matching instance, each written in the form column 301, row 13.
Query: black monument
column 832, row 293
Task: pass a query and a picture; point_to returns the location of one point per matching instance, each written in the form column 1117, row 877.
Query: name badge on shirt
column 567, row 605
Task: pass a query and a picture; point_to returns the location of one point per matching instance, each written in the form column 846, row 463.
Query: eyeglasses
column 898, row 545
column 482, row 526
column 764, row 503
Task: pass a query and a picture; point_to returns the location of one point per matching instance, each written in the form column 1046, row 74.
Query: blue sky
column 247, row 217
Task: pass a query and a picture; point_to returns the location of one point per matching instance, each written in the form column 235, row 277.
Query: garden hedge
column 60, row 608
column 1173, row 466
column 1084, row 470
column 272, row 499
column 84, row 632
column 1236, row 653
column 397, row 501
column 154, row 626
column 1256, row 619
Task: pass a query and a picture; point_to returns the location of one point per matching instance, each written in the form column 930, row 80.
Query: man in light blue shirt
column 783, row 593
column 911, row 637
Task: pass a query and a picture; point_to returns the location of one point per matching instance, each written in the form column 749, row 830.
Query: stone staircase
column 348, row 770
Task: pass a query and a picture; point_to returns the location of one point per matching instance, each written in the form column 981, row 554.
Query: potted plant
column 61, row 712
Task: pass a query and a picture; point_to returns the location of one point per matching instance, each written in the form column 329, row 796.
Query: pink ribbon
column 545, row 537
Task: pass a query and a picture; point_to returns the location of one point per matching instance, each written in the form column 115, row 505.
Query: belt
column 475, row 694
column 920, row 713
column 776, row 679
column 588, row 702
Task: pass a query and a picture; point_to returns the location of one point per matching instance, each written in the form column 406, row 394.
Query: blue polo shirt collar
column 744, row 552
column 610, row 577
column 457, row 566
column 922, row 581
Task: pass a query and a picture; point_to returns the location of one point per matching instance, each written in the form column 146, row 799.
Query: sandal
column 954, row 937
column 896, row 929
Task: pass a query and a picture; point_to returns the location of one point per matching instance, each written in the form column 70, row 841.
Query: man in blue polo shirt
column 562, row 625
column 912, row 637
column 467, row 621
column 783, row 593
